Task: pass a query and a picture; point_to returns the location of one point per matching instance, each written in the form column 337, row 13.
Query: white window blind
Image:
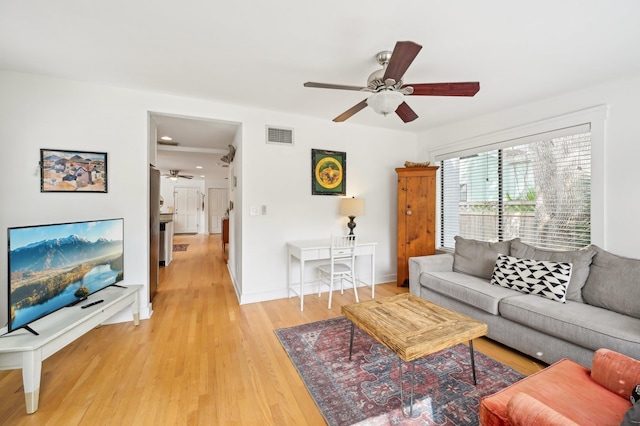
column 536, row 188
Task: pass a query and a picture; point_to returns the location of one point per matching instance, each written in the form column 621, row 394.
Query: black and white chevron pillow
column 543, row 278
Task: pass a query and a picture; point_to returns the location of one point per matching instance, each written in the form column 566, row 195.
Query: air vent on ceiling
column 279, row 135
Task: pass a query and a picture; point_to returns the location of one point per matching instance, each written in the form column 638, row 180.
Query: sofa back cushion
column 614, row 283
column 477, row 258
column 580, row 263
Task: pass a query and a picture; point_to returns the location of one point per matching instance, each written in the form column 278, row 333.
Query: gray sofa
column 600, row 306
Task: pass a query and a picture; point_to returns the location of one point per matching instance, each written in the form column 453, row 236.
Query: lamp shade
column 385, row 101
column 352, row 207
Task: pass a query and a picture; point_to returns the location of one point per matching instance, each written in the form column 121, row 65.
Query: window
column 463, row 192
column 536, row 188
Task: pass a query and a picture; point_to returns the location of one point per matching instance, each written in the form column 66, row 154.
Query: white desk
column 320, row 250
column 22, row 349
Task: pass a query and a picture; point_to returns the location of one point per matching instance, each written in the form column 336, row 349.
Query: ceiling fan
column 175, row 174
column 388, row 90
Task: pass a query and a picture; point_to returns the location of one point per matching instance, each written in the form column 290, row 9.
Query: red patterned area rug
column 180, row 247
column 366, row 390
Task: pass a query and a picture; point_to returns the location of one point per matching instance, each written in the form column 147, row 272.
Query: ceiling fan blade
column 351, row 111
column 445, row 89
column 403, row 55
column 332, row 86
column 405, row 112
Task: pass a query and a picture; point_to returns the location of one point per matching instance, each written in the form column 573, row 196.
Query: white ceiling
column 260, row 53
column 200, row 144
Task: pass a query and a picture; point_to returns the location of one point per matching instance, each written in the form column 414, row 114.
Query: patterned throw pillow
column 543, row 278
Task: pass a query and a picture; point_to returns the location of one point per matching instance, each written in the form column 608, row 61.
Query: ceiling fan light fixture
column 386, row 101
column 173, row 175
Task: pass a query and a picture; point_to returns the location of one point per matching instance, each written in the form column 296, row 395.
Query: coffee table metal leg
column 353, row 325
column 473, row 362
column 412, row 379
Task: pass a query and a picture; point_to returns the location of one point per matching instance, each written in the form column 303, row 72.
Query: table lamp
column 352, row 207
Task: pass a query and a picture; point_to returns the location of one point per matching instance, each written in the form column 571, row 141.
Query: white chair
column 341, row 266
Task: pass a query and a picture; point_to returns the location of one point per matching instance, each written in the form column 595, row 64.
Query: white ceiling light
column 166, row 138
column 385, row 101
column 198, row 167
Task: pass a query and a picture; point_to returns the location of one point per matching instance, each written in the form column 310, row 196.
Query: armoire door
column 416, row 216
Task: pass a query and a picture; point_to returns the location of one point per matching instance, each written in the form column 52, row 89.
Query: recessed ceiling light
column 166, row 138
column 198, row 167
column 202, row 176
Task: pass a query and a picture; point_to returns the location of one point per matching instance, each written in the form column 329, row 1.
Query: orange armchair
column 567, row 393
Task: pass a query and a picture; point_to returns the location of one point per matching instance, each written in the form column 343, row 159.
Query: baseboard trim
column 311, row 288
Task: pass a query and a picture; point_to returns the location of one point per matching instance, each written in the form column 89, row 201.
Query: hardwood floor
column 200, row 359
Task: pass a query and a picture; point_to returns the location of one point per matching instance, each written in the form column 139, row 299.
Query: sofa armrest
column 525, row 410
column 615, row 372
column 434, row 263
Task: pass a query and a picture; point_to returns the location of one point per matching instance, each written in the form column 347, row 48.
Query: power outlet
column 253, row 211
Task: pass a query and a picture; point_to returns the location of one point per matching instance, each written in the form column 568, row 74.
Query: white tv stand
column 22, row 349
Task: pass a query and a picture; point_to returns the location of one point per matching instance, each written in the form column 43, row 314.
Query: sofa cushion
column 578, row 323
column 614, row 283
column 580, row 262
column 525, row 410
column 539, row 277
column 477, row 258
column 471, row 290
column 567, row 388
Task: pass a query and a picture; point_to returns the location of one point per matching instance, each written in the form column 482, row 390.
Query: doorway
column 186, row 217
column 218, row 202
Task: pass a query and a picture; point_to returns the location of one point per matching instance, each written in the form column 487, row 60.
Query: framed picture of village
column 72, row 171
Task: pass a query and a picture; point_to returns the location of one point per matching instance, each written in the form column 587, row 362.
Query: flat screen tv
column 58, row 265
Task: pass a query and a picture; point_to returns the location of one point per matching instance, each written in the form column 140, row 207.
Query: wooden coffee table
column 412, row 327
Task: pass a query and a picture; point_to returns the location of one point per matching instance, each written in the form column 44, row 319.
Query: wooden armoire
column 416, row 216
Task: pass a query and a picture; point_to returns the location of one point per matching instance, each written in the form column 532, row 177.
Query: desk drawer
column 324, row 253
column 315, row 254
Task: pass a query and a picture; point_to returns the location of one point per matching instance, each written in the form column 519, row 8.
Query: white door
column 186, row 202
column 218, row 202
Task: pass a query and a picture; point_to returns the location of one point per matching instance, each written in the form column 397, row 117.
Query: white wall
column 615, row 172
column 234, row 262
column 44, row 113
column 41, row 112
column 280, row 179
